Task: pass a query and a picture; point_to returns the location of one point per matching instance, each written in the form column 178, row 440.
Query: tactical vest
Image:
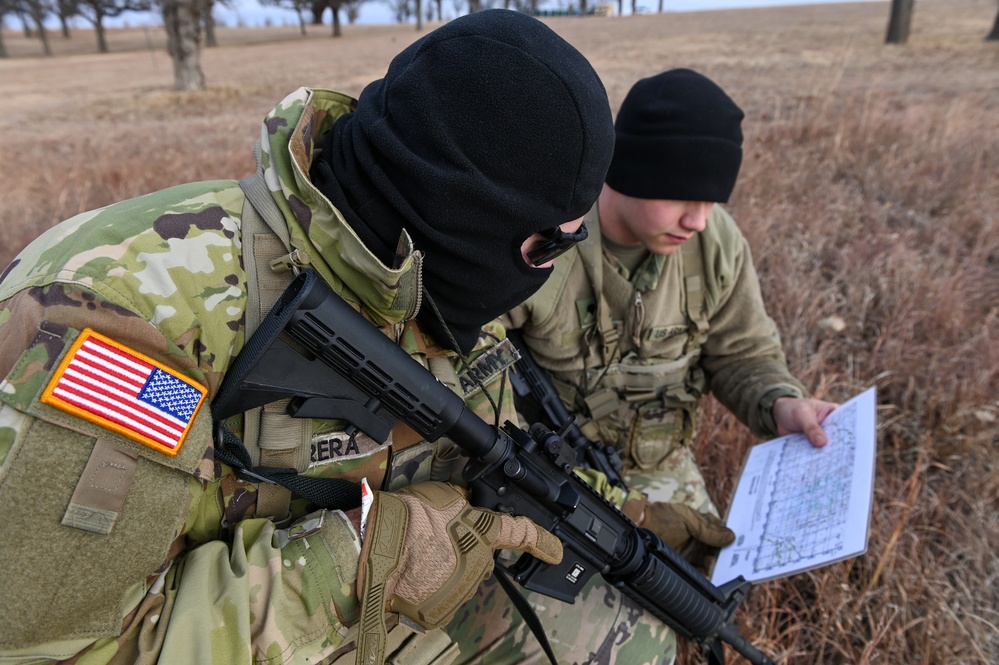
column 647, row 405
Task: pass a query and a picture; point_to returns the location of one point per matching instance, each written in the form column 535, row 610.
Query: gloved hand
column 425, row 552
column 694, row 535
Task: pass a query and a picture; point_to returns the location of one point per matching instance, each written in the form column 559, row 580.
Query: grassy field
column 869, row 194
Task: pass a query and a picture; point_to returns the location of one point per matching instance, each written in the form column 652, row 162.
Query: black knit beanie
column 679, row 138
column 483, row 132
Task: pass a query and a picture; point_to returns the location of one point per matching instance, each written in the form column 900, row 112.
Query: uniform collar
column 291, row 137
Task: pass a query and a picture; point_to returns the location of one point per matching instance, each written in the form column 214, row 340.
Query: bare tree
column 6, row 7
column 994, row 34
column 300, row 7
column 182, row 21
column 350, row 7
column 401, row 10
column 335, row 6
column 207, row 8
column 21, row 10
column 208, row 22
column 318, row 7
column 38, row 10
column 66, row 9
column 900, row 21
column 95, row 11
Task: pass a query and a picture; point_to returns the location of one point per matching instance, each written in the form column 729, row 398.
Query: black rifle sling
column 328, row 493
column 526, row 611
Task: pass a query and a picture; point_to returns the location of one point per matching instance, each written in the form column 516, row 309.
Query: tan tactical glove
column 425, row 552
column 694, row 535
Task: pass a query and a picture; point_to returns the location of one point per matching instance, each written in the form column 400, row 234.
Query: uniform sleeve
column 270, row 595
column 742, row 357
column 115, row 550
column 516, row 317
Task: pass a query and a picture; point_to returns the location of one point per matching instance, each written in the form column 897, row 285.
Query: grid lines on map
column 806, row 515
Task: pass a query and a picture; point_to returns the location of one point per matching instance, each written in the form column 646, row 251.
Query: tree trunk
column 182, row 21
column 64, row 23
column 3, row 49
column 210, row 39
column 208, row 20
column 301, row 22
column 419, row 15
column 336, row 22
column 994, row 35
column 620, row 7
column 25, row 24
column 900, row 21
column 318, row 7
column 43, row 34
column 102, row 42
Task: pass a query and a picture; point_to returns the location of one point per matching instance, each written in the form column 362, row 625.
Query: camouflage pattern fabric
column 195, row 577
column 738, row 357
column 187, row 573
column 602, row 627
column 676, row 480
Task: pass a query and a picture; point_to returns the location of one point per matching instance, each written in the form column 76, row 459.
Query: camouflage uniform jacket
column 125, row 551
column 680, row 326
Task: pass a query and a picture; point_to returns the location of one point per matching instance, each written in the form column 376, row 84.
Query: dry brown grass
column 869, row 192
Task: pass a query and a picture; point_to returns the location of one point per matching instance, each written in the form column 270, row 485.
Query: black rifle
column 530, row 380
column 509, row 470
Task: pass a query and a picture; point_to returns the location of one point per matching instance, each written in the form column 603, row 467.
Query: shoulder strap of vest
column 267, row 252
column 693, row 282
column 591, row 254
column 272, row 438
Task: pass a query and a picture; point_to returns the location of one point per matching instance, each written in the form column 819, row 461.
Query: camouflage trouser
column 602, row 627
column 675, row 480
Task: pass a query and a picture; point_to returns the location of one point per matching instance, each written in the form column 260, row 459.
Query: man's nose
column 695, row 216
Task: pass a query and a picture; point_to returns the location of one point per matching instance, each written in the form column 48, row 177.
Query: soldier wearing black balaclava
column 138, row 523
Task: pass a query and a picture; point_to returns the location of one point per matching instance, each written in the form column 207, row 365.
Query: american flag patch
column 111, row 385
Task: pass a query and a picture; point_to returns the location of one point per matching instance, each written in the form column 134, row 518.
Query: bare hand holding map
column 798, row 507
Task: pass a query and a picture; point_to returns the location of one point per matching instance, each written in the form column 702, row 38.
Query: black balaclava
column 483, row 132
column 679, row 137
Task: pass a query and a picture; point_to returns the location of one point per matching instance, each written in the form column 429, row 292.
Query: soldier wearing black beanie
column 673, row 310
column 482, row 133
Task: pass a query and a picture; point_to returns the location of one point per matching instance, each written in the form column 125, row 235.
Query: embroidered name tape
column 122, row 390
